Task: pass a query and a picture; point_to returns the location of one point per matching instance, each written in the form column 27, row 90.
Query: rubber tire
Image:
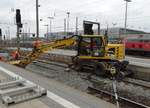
column 100, row 69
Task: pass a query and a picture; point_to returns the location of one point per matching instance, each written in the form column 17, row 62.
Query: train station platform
column 58, row 94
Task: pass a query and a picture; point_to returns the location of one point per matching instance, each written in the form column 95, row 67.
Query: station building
column 120, row 33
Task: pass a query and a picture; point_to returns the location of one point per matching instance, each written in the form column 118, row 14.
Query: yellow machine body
column 111, row 51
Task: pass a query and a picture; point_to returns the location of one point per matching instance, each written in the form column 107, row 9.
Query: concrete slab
column 36, row 103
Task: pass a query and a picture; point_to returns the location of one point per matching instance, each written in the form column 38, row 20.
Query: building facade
column 120, row 33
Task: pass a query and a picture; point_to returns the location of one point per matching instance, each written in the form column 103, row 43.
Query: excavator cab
column 96, row 46
column 91, row 46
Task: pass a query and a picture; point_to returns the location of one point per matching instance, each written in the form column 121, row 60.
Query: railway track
column 124, row 102
column 133, row 81
column 137, row 82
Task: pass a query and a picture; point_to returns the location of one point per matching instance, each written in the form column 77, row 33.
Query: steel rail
column 121, row 99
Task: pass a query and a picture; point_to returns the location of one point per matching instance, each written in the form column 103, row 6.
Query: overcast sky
column 103, row 11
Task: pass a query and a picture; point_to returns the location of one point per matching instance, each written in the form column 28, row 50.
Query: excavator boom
column 42, row 48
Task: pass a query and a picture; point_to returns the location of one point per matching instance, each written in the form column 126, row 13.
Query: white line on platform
column 56, row 98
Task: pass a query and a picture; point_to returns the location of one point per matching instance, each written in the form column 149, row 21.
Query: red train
column 138, row 45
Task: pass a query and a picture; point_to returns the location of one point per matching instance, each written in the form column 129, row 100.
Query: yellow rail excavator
column 93, row 51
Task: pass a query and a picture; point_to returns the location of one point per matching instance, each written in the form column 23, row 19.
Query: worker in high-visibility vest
column 16, row 54
column 36, row 44
column 1, row 58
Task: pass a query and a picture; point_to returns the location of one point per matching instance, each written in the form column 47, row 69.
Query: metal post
column 76, row 25
column 9, row 33
column 125, row 26
column 65, row 26
column 47, row 33
column 23, row 35
column 6, row 38
column 99, row 29
column 26, row 30
column 68, row 13
column 37, row 19
column 126, row 15
column 50, row 25
column 29, row 32
column 18, row 38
